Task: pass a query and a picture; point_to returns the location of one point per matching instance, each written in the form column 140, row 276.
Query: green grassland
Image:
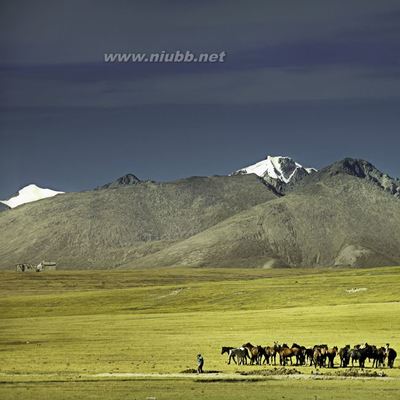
column 90, row 334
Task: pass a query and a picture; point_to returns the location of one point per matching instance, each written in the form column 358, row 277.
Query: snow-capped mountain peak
column 28, row 194
column 281, row 168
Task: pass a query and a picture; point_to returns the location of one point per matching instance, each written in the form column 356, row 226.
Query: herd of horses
column 318, row 356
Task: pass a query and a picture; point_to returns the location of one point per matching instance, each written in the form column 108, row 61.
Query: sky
column 315, row 80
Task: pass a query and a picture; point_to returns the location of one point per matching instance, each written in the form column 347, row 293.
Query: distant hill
column 108, row 227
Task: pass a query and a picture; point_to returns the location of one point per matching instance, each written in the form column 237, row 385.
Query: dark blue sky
column 316, row 80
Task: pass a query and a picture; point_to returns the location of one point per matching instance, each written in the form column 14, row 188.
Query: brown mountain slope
column 333, row 219
column 104, row 228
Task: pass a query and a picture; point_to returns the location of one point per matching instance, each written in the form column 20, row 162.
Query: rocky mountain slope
column 128, row 179
column 336, row 217
column 105, row 228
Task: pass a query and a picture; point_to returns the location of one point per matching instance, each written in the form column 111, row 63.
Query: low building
column 26, row 268
column 46, row 266
column 43, row 266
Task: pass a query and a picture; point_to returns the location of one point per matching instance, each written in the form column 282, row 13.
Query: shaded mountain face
column 279, row 172
column 3, row 207
column 128, row 179
column 105, row 228
column 364, row 170
column 334, row 218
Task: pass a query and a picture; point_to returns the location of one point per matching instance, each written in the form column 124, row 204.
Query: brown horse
column 256, row 352
column 324, row 353
column 317, row 357
column 286, row 352
column 300, row 353
column 270, row 355
column 331, row 354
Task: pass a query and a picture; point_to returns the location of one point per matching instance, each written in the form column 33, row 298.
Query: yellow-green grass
column 69, row 326
column 184, row 389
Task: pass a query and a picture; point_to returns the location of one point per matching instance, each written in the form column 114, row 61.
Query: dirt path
column 212, row 376
column 233, row 376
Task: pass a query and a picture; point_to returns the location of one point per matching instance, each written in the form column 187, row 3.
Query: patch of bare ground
column 274, row 371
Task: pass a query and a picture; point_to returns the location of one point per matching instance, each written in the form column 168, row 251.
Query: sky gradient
column 314, row 80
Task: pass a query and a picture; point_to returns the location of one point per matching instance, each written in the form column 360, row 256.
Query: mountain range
column 277, row 171
column 275, row 213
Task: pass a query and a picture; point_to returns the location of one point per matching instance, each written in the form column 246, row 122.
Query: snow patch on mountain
column 281, row 168
column 29, row 194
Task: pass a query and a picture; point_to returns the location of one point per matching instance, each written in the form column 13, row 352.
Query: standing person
column 200, row 363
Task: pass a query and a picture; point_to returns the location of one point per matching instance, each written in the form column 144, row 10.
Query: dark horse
column 361, row 354
column 379, row 356
column 309, row 353
column 344, row 354
column 226, row 349
column 391, row 355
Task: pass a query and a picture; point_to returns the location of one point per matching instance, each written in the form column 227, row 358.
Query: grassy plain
column 108, row 334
